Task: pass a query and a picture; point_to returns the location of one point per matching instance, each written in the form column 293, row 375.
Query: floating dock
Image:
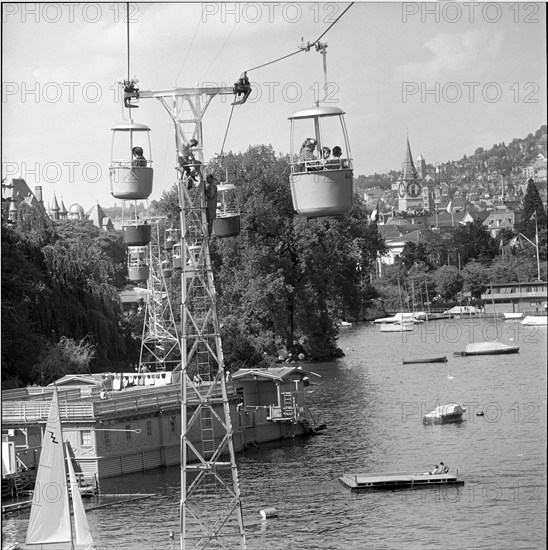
column 368, row 482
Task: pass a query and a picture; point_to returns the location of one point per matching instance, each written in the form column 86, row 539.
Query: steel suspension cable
column 308, row 45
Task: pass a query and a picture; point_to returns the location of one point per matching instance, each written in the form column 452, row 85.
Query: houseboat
column 119, row 423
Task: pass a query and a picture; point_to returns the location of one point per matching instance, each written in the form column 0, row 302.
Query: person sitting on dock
column 443, row 469
column 434, row 471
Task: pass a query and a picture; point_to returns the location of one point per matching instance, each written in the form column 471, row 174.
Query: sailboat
column 50, row 524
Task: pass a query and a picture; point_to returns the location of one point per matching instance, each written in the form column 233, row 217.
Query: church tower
column 409, row 185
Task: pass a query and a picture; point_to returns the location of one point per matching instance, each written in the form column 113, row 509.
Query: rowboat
column 415, row 360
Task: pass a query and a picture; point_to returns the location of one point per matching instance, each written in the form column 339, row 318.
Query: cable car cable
column 188, row 51
column 127, row 11
column 308, row 45
column 226, row 132
column 220, row 50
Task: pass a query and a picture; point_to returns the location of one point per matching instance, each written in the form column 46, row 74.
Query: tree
column 448, row 280
column 413, row 253
column 476, row 278
column 532, row 205
column 474, row 242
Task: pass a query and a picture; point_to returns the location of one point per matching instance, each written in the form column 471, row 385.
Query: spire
column 409, row 172
column 55, row 204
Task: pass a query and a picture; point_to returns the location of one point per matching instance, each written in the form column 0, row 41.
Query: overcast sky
column 453, row 76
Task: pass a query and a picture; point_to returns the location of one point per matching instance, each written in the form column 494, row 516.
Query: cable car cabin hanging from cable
column 137, row 234
column 321, row 164
column 227, row 222
column 137, row 266
column 130, row 162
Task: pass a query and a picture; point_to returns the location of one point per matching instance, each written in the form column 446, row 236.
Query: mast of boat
column 427, row 298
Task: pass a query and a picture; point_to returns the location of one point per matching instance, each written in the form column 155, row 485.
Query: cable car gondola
column 320, row 187
column 227, row 222
column 130, row 172
column 138, row 234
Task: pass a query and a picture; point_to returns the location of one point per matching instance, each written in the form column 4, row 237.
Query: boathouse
column 118, row 423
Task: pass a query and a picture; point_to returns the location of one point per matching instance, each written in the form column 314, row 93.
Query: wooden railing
column 21, row 412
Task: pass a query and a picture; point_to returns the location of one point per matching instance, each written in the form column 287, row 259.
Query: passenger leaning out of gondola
column 306, row 154
column 188, row 162
column 138, row 158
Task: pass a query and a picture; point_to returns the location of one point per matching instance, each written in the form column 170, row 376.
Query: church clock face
column 401, row 190
column 414, row 189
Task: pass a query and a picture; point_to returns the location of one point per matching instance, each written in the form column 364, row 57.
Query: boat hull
column 414, row 361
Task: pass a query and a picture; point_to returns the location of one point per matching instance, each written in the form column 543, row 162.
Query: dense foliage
column 60, row 284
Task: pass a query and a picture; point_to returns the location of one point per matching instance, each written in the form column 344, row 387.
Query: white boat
column 510, row 315
column 444, row 414
column 406, row 326
column 50, row 516
column 399, row 317
column 487, row 348
column 535, row 321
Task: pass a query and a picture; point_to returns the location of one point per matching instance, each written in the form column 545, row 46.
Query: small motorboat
column 415, row 360
column 406, row 326
column 444, row 414
column 487, row 348
column 535, row 321
column 509, row 315
column 399, row 318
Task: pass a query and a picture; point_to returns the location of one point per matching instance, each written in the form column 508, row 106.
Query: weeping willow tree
column 59, row 284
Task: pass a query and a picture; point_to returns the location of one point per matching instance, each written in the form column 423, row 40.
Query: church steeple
column 408, row 172
column 409, row 184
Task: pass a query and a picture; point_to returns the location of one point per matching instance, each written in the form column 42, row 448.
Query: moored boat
column 444, row 414
column 415, row 360
column 397, row 327
column 487, row 348
column 509, row 315
column 535, row 321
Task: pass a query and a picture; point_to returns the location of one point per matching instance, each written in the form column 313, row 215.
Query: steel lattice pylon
column 160, row 344
column 210, row 506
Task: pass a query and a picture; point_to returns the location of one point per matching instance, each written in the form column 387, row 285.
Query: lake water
column 373, row 406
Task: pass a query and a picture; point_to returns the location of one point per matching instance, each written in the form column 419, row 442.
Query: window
column 85, row 438
column 128, row 433
column 172, row 424
column 149, row 428
column 107, row 439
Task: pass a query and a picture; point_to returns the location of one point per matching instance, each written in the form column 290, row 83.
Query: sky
column 452, row 77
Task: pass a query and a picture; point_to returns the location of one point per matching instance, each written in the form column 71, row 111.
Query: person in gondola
column 306, row 154
column 138, row 158
column 337, row 160
column 211, row 200
column 325, row 160
column 188, row 162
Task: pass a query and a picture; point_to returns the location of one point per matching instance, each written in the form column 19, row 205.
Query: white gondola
column 137, row 267
column 321, row 187
column 177, row 257
column 172, row 237
column 129, row 179
column 227, row 222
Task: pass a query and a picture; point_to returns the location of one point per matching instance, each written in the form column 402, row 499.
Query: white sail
column 82, row 533
column 50, row 512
